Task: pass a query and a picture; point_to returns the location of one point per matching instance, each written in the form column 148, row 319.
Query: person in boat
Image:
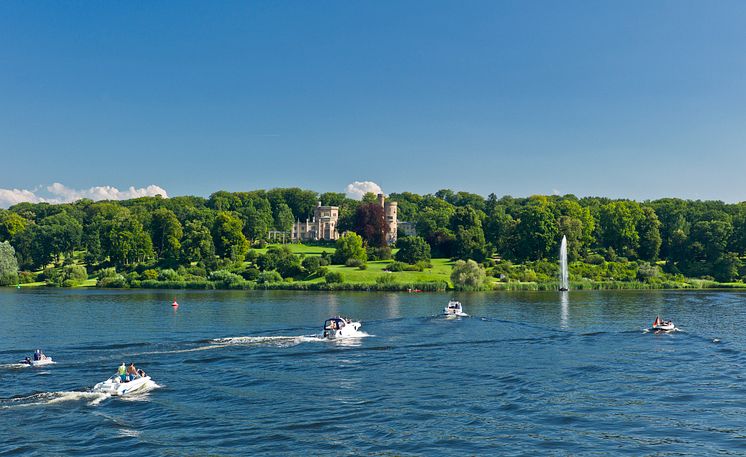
column 37, row 354
column 28, row 360
column 141, row 373
column 122, row 372
column 132, row 371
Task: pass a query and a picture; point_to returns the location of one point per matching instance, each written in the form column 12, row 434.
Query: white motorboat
column 115, row 385
column 659, row 325
column 44, row 360
column 454, row 309
column 341, row 327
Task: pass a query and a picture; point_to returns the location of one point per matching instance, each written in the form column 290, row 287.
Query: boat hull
column 39, row 363
column 112, row 387
column 664, row 328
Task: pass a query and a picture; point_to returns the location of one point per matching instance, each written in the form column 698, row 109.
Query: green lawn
column 441, row 271
column 297, row 248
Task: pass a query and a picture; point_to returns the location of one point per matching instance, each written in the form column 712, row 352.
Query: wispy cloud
column 357, row 189
column 59, row 193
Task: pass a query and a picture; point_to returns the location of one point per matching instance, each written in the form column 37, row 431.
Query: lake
column 244, row 373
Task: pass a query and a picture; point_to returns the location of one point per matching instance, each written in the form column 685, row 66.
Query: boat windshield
column 332, row 324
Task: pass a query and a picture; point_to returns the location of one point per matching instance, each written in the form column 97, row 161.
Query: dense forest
column 195, row 237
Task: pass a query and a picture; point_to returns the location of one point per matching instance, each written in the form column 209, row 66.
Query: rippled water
column 244, row 373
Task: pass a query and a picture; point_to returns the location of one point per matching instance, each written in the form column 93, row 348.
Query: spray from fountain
column 564, row 283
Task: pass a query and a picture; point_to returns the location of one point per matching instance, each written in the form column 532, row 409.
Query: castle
column 323, row 225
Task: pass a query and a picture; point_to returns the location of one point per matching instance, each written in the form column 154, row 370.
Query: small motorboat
column 340, row 327
column 116, row 387
column 454, row 309
column 45, row 360
column 659, row 325
column 38, row 359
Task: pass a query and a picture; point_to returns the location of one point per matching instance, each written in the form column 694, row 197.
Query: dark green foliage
column 352, row 262
column 282, row 260
column 311, row 264
column 618, row 240
column 536, row 232
column 228, row 237
column 412, row 249
column 349, row 246
column 166, row 233
column 374, row 253
column 66, row 276
column 333, row 277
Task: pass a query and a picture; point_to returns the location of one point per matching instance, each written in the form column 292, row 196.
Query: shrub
column 226, row 278
column 269, row 276
column 67, row 276
column 150, row 274
column 349, row 246
column 169, row 275
column 106, row 273
column 647, row 272
column 468, row 275
column 395, row 266
column 250, row 274
column 116, row 281
column 325, row 259
column 385, row 279
column 354, row 263
column 378, row 253
column 251, row 256
column 26, row 277
column 333, row 277
column 422, row 264
column 311, row 264
column 595, row 259
column 195, row 271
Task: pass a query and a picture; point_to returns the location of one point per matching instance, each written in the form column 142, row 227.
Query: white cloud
column 555, row 192
column 10, row 197
column 357, row 189
column 59, row 193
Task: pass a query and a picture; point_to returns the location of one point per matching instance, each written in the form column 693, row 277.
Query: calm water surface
column 242, row 373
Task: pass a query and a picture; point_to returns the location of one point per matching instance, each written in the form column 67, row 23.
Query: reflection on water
column 391, row 304
column 564, row 310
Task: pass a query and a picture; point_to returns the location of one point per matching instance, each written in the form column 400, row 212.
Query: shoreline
column 695, row 284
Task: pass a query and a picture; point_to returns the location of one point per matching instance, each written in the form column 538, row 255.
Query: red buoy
column 174, row 304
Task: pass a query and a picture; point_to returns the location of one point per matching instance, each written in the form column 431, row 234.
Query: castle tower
column 390, row 214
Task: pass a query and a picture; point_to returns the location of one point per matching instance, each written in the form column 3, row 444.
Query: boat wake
column 277, row 341
column 89, row 397
column 356, row 334
column 52, row 398
column 13, row 366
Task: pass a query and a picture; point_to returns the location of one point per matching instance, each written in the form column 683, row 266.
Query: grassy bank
column 372, row 276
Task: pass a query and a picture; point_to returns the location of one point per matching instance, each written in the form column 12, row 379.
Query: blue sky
column 636, row 99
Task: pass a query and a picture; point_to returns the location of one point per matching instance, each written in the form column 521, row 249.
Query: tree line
column 693, row 238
